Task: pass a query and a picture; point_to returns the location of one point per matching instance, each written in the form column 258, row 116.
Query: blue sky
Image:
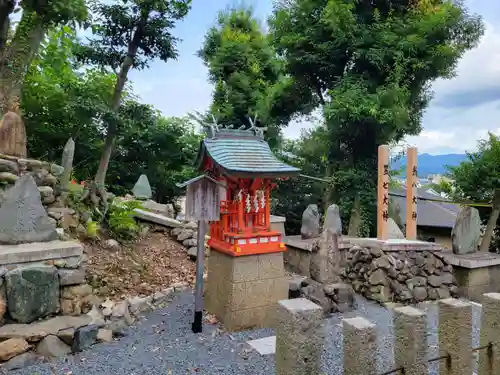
column 463, row 110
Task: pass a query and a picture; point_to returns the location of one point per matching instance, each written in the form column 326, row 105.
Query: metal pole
column 197, row 325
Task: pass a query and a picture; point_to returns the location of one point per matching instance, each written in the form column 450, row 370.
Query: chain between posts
column 401, row 370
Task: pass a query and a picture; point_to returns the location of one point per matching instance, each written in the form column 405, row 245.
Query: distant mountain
column 431, row 164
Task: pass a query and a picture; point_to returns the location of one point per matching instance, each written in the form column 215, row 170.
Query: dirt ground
column 151, row 264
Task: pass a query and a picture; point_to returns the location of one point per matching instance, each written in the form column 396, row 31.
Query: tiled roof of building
column 429, row 213
column 243, row 153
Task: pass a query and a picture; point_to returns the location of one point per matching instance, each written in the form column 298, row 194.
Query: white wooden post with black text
column 203, row 206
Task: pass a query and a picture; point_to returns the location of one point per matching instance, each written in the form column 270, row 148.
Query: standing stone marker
column 299, row 337
column 23, row 218
column 310, row 222
column 393, row 231
column 466, row 232
column 325, row 262
column 67, row 161
column 142, row 188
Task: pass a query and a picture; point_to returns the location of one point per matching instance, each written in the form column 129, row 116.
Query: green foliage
column 162, row 148
column 124, row 26
column 120, row 220
column 63, row 98
column 92, row 229
column 127, row 35
column 370, row 66
column 245, row 71
column 57, row 12
column 292, row 196
column 478, row 177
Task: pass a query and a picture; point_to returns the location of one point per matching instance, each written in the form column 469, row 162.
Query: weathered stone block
column 12, row 347
column 455, row 336
column 299, row 337
column 32, row 292
column 236, row 294
column 359, row 346
column 84, row 338
column 71, row 277
column 271, row 265
column 410, row 349
column 490, row 331
column 52, row 347
column 253, row 318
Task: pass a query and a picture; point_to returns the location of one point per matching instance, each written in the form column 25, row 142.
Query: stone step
column 39, row 251
column 156, row 218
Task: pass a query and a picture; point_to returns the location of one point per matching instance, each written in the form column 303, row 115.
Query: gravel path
column 163, row 344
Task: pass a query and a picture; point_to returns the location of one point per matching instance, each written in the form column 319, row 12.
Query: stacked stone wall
column 399, row 276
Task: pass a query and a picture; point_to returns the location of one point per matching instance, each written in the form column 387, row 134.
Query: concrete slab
column 39, row 251
column 277, row 219
column 395, row 244
column 264, row 346
column 309, row 244
column 156, row 218
column 474, row 260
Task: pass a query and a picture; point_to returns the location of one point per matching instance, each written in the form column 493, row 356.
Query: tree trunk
column 121, row 79
column 17, row 58
column 492, row 222
column 6, row 8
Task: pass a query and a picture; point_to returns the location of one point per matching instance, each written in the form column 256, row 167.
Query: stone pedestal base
column 242, row 292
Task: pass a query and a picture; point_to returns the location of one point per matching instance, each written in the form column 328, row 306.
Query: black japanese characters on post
column 386, row 200
column 414, row 215
column 385, row 215
column 386, row 169
column 414, row 200
column 414, row 171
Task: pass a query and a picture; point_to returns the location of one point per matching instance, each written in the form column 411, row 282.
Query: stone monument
column 67, row 162
column 142, row 188
column 325, row 262
column 23, row 218
column 12, row 135
column 310, row 222
column 393, row 230
column 466, row 232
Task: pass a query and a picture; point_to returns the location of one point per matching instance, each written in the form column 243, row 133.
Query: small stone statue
column 13, row 134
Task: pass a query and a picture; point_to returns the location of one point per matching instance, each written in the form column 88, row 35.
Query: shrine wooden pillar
column 383, row 192
column 411, row 193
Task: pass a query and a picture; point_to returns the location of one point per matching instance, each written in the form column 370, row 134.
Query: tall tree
column 17, row 54
column 478, row 179
column 127, row 35
column 369, row 65
column 63, row 98
column 246, row 73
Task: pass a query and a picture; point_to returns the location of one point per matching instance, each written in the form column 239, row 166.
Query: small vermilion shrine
column 245, row 270
column 243, row 161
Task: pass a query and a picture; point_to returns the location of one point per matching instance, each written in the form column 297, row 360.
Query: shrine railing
column 412, row 352
column 252, row 217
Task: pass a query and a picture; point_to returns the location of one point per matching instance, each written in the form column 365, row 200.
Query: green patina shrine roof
column 243, row 153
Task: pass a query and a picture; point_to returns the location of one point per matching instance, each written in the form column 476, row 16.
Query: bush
column 120, row 220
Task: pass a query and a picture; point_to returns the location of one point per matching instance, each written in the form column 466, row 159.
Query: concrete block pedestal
column 242, row 292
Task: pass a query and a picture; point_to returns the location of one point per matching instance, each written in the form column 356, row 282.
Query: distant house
column 435, row 219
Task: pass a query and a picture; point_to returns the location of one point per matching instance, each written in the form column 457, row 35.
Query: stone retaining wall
column 43, row 279
column 399, row 276
column 46, row 178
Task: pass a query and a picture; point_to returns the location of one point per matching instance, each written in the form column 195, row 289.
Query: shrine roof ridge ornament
column 242, row 152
